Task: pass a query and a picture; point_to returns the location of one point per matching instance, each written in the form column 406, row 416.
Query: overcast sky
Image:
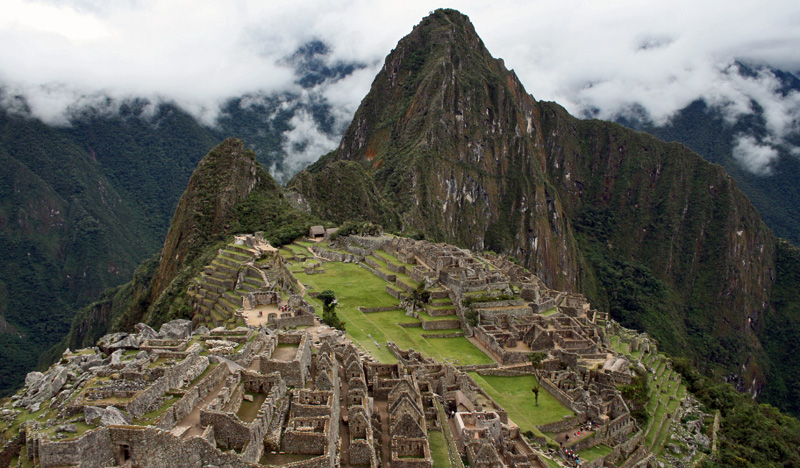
column 602, row 55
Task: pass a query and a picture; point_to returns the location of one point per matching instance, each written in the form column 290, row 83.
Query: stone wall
column 296, row 321
column 181, row 408
column 92, row 449
column 297, row 438
column 361, row 452
column 558, row 394
column 395, row 293
column 229, row 431
column 439, row 312
column 297, row 370
column 322, row 461
column 558, row 426
column 335, row 256
column 410, row 325
column 396, row 268
column 148, row 399
column 442, row 335
column 440, row 324
column 153, row 448
column 11, row 449
column 368, row 310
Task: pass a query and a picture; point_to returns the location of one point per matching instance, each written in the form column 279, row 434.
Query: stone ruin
column 248, row 397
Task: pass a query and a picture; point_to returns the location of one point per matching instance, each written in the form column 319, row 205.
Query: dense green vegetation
column 708, row 132
column 751, row 434
column 780, row 332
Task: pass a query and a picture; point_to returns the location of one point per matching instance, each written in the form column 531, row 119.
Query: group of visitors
column 571, row 455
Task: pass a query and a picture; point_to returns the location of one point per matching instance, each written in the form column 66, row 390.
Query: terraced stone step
column 255, row 282
column 237, row 256
column 240, row 248
column 223, row 262
column 222, row 283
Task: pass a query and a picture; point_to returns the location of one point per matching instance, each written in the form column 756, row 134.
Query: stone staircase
column 217, row 293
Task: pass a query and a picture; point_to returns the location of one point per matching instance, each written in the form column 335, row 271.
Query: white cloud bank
column 597, row 56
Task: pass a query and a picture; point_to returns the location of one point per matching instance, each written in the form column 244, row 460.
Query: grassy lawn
column 515, row 395
column 595, row 452
column 355, row 286
column 438, row 448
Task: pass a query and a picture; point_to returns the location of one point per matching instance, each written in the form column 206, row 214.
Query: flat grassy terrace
column 438, row 448
column 594, row 453
column 355, row 286
column 515, row 395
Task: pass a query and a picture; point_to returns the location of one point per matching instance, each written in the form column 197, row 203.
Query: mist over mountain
column 84, row 202
column 765, row 166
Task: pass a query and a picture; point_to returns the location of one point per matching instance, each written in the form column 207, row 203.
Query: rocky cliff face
column 460, row 151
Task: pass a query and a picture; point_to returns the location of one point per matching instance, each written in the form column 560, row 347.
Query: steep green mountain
column 776, row 195
column 455, row 146
column 229, row 192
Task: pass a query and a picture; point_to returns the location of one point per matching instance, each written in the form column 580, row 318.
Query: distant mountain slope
column 67, row 232
column 713, row 135
column 457, row 148
column 82, row 205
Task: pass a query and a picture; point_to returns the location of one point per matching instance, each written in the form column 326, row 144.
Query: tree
column 327, row 297
column 329, row 316
column 536, row 360
column 418, row 298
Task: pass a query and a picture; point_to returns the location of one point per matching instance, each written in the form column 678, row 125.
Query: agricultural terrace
column 666, row 393
column 356, row 286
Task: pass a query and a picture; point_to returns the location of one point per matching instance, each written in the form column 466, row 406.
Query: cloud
column 304, row 144
column 754, row 156
column 596, row 58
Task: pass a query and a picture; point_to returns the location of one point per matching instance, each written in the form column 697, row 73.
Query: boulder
column 33, row 378
column 67, row 428
column 128, row 342
column 176, row 330
column 46, row 387
column 116, row 356
column 110, row 416
column 201, row 330
column 113, row 417
column 92, row 413
column 146, row 332
column 91, row 361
